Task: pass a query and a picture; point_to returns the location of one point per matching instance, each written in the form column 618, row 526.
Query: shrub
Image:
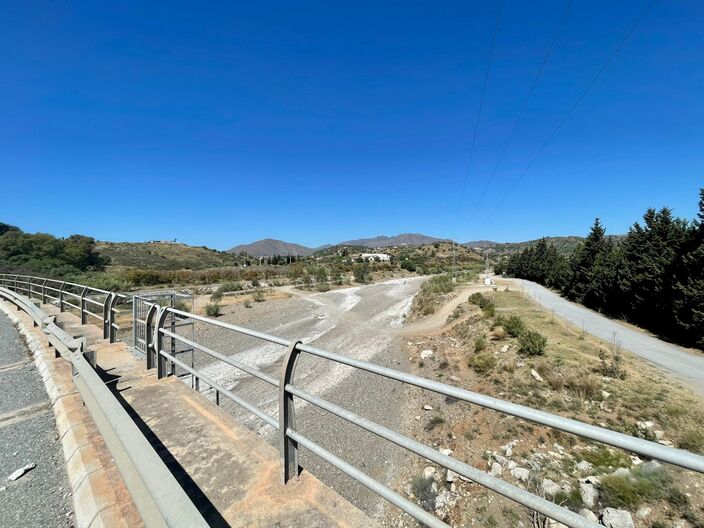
column 691, row 437
column 604, row 457
column 611, row 360
column 255, row 283
column 514, row 325
column 532, row 343
column 479, row 344
column 422, row 489
column 434, row 422
column 212, row 309
column 571, row 499
column 484, row 302
column 247, row 303
column 216, row 296
column 230, row 286
column 475, row 298
column 629, row 491
column 258, row 295
column 498, row 332
column 483, row 362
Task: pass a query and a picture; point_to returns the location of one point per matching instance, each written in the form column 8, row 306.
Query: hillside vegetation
column 164, row 256
column 654, row 277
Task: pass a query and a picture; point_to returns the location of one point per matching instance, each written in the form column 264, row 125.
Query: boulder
column 429, row 472
column 588, row 515
column 496, row 469
column 550, row 488
column 521, row 474
column 589, row 493
column 426, row 354
column 535, row 375
column 613, row 518
column 583, row 466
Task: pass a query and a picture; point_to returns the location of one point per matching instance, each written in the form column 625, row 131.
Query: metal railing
column 290, row 438
column 92, row 304
column 158, row 496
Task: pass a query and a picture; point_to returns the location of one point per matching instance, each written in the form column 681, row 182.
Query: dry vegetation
column 577, row 376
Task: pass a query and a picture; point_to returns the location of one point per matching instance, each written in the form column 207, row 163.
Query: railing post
column 287, row 416
column 106, row 316
column 149, row 338
column 112, row 331
column 161, row 363
column 44, row 291
column 16, row 277
column 61, row 297
column 82, row 304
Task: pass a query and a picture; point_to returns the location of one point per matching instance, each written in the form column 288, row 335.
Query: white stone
column 613, row 518
column 427, row 407
column 21, row 471
column 583, row 466
column 622, row 472
column 589, row 494
column 535, row 375
column 496, row 469
column 521, row 474
column 589, row 515
column 643, row 512
column 451, row 476
column 504, row 348
column 550, row 487
column 429, row 472
column 446, row 452
column 426, row 354
column 645, row 425
column 605, row 395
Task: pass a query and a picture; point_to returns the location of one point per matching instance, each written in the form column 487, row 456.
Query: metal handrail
column 290, row 439
column 36, row 287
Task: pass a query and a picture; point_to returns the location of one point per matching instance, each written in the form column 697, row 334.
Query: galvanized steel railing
column 94, row 303
column 290, row 438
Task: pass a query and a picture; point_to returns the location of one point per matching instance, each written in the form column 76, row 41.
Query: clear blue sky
column 316, row 122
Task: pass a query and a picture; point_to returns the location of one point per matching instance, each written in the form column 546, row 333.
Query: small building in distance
column 375, row 257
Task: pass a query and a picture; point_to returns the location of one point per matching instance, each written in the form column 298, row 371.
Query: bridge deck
column 230, row 473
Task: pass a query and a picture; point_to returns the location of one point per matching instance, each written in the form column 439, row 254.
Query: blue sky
column 219, row 124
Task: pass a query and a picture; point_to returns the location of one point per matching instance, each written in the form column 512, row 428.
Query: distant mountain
column 406, row 239
column 269, row 247
column 564, row 244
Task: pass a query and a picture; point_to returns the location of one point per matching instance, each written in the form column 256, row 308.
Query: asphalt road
column 28, row 434
column 362, row 322
column 679, row 362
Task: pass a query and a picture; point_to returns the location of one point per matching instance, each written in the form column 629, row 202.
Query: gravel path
column 361, row 322
column 685, row 365
column 28, row 434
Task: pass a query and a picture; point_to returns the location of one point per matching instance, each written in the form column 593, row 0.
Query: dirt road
column 685, row 365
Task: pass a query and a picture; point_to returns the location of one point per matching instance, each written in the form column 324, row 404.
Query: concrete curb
column 92, row 477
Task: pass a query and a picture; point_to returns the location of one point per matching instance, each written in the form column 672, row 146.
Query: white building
column 373, row 257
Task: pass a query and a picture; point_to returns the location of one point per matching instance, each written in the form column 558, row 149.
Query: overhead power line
column 613, row 54
column 522, row 110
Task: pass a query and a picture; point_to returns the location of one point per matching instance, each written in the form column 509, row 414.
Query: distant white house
column 373, row 257
column 488, row 281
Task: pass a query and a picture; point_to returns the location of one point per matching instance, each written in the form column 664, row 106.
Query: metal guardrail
column 290, row 439
column 159, row 498
column 99, row 305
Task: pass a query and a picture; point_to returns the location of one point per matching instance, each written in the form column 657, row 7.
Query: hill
column 269, row 247
column 405, row 239
column 164, row 256
column 565, row 245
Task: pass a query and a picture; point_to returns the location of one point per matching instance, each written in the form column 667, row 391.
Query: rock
column 667, row 443
column 583, row 466
column 643, row 512
column 589, row 494
column 613, row 518
column 659, row 435
column 605, row 407
column 429, row 472
column 605, row 395
column 508, row 448
column 521, row 474
column 510, row 465
column 645, row 425
column 504, row 348
column 427, row 407
column 426, row 354
column 21, row 471
column 535, row 375
column 500, row 459
column 588, row 515
column 591, row 480
column 451, row 476
column 446, row 452
column 551, row 523
column 650, row 466
column 550, row 487
column 621, row 472
column 496, row 469
column 635, row 460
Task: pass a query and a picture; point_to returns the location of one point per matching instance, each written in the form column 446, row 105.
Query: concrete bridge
column 144, row 446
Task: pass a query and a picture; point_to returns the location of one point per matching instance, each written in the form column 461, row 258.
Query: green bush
column 230, row 286
column 479, row 344
column 216, row 296
column 258, row 295
column 422, row 489
column 514, row 325
column 532, row 343
column 483, row 362
column 603, row 457
column 434, row 422
column 629, row 491
column 212, row 309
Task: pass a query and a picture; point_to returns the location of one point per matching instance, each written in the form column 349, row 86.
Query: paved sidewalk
column 28, row 434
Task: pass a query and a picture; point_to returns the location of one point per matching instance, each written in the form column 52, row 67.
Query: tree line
column 652, row 277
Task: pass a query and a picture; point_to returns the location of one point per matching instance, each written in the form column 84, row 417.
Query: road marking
column 13, row 366
column 20, row 415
